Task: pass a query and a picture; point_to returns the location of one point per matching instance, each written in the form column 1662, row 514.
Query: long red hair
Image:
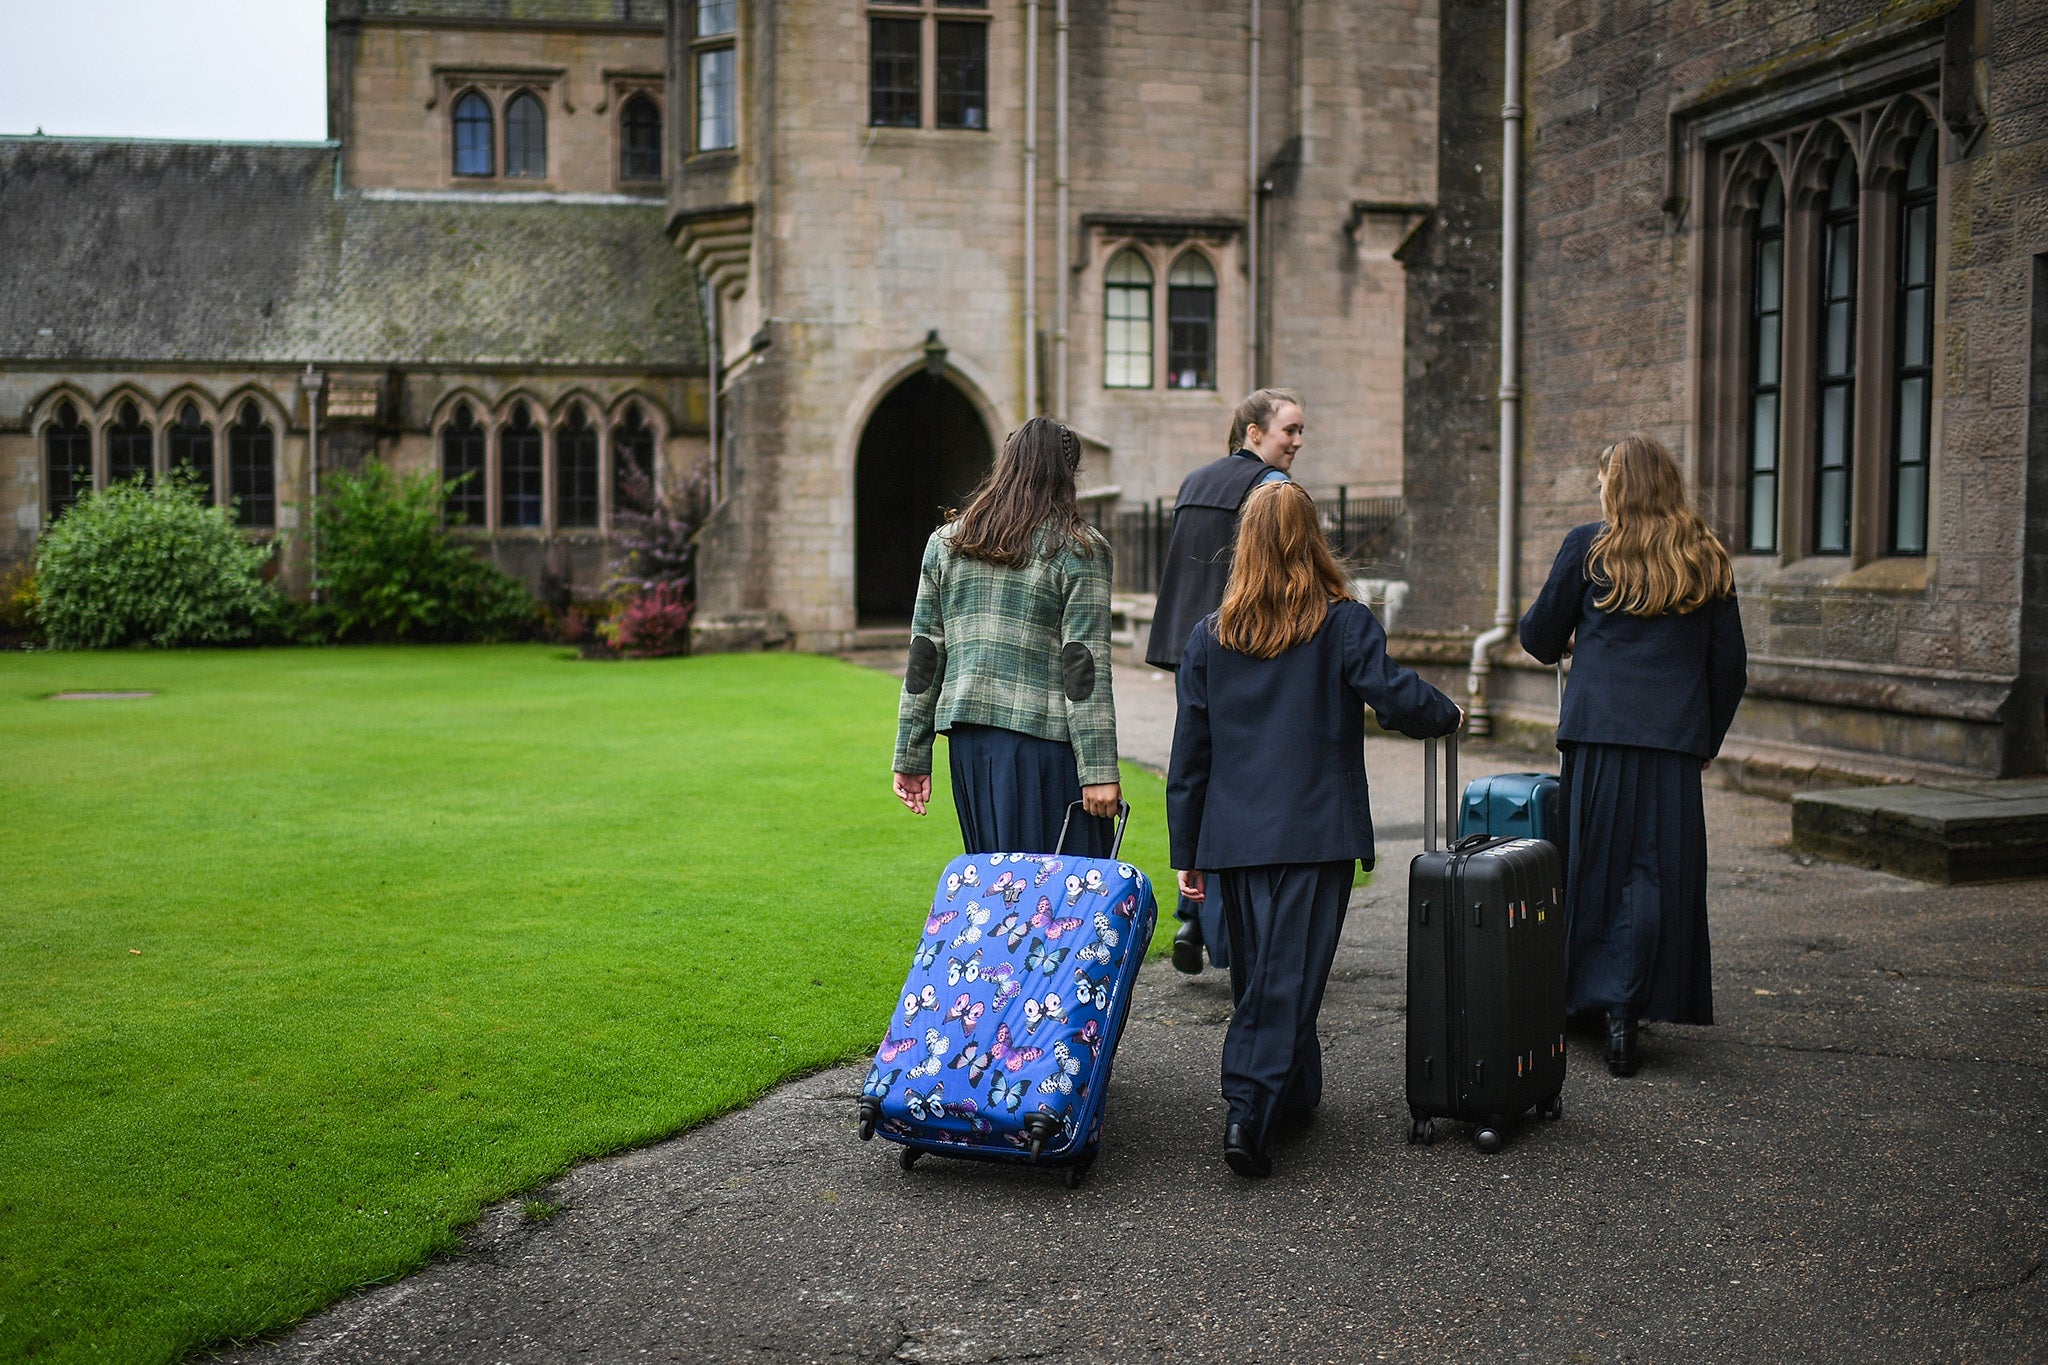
column 1283, row 578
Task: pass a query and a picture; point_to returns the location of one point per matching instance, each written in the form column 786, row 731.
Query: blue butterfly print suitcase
column 1001, row 1042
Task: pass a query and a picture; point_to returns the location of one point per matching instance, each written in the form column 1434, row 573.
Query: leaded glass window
column 1766, row 349
column 1836, row 365
column 715, row 17
column 632, row 450
column 894, row 55
column 252, row 468
column 962, row 84
column 576, row 470
column 640, row 140
column 715, row 130
column 67, row 456
column 1191, row 323
column 1913, row 414
column 526, row 137
column 462, row 467
column 130, row 447
column 520, row 470
column 190, row 443
column 1127, row 323
column 473, row 141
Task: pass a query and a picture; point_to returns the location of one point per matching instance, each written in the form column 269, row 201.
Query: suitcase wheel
column 908, row 1157
column 1552, row 1108
column 1421, row 1131
column 867, row 1128
column 1486, row 1138
column 1078, row 1172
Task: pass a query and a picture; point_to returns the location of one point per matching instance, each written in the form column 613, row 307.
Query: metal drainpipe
column 714, row 346
column 1479, row 716
column 1030, row 208
column 312, row 381
column 1251, row 207
column 1059, row 172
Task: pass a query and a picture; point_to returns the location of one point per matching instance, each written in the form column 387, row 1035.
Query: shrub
column 19, row 624
column 654, row 624
column 140, row 565
column 659, row 535
column 390, row 572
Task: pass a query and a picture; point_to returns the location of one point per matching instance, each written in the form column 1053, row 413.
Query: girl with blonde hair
column 1266, row 795
column 1644, row 602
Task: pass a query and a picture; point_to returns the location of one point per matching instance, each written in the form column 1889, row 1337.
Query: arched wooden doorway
column 923, row 451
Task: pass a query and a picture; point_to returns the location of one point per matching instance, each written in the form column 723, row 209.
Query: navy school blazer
column 1654, row 682
column 1269, row 754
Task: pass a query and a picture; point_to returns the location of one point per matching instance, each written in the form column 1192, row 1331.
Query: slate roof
column 242, row 252
column 650, row 12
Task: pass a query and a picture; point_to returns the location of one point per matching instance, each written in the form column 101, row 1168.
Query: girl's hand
column 1102, row 799
column 914, row 791
column 1191, row 885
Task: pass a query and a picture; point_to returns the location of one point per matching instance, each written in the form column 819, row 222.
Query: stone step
column 1944, row 832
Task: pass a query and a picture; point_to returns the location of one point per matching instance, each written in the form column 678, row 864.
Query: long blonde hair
column 1283, row 578
column 1655, row 554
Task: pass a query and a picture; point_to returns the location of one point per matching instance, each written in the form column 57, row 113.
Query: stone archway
column 923, row 450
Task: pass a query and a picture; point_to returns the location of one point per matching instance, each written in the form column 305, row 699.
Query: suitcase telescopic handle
column 1123, row 817
column 1451, row 801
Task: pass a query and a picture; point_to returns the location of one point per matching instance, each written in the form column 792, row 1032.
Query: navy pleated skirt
column 1635, row 884
column 1012, row 791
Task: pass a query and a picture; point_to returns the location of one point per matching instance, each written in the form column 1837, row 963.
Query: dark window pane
column 67, row 452
column 1766, row 341
column 715, row 129
column 632, row 449
column 519, row 471
column 1836, row 367
column 473, row 135
column 640, row 140
column 191, row 446
column 252, row 469
column 963, row 4
column 1913, row 403
column 893, row 59
column 130, row 447
column 963, row 75
column 1191, row 324
column 576, row 472
column 526, row 138
column 462, row 464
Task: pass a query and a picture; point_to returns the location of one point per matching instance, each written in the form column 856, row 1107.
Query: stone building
column 1806, row 246
column 471, row 276
column 924, row 221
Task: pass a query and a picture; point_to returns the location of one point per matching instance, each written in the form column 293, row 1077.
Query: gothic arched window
column 576, row 470
column 632, row 450
column 131, row 447
column 252, row 468
column 1766, row 349
column 526, row 137
column 640, row 140
column 474, row 143
column 1835, row 365
column 1127, row 323
column 191, row 446
column 519, row 470
column 462, row 466
column 67, row 455
column 1191, row 323
column 1915, row 368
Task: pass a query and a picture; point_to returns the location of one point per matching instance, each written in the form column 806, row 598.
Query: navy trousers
column 1011, row 791
column 1283, row 922
column 1635, row 884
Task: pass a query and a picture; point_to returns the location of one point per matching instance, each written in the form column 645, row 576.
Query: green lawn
column 309, row 957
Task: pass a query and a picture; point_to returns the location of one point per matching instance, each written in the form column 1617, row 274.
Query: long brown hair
column 1655, row 554
column 1257, row 411
column 1284, row 577
column 1032, row 485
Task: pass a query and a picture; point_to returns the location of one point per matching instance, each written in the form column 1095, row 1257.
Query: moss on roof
column 226, row 252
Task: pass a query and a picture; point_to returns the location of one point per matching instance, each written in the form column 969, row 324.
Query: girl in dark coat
column 1266, row 795
column 1645, row 604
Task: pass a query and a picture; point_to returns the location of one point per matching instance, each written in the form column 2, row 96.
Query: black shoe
column 1242, row 1156
column 1621, row 1046
column 1187, row 947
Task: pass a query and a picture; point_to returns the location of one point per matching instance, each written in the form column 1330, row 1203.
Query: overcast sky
column 164, row 68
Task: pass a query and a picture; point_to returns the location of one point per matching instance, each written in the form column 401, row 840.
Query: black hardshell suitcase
column 1486, row 988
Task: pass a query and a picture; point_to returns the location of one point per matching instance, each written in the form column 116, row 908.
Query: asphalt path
column 1850, row 1166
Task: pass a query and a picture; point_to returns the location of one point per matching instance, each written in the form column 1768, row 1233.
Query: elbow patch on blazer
column 924, row 666
column 1077, row 666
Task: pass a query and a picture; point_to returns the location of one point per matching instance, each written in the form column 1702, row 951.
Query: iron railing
column 1368, row 534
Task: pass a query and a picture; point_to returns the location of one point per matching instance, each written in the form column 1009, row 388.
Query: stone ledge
column 1944, row 832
